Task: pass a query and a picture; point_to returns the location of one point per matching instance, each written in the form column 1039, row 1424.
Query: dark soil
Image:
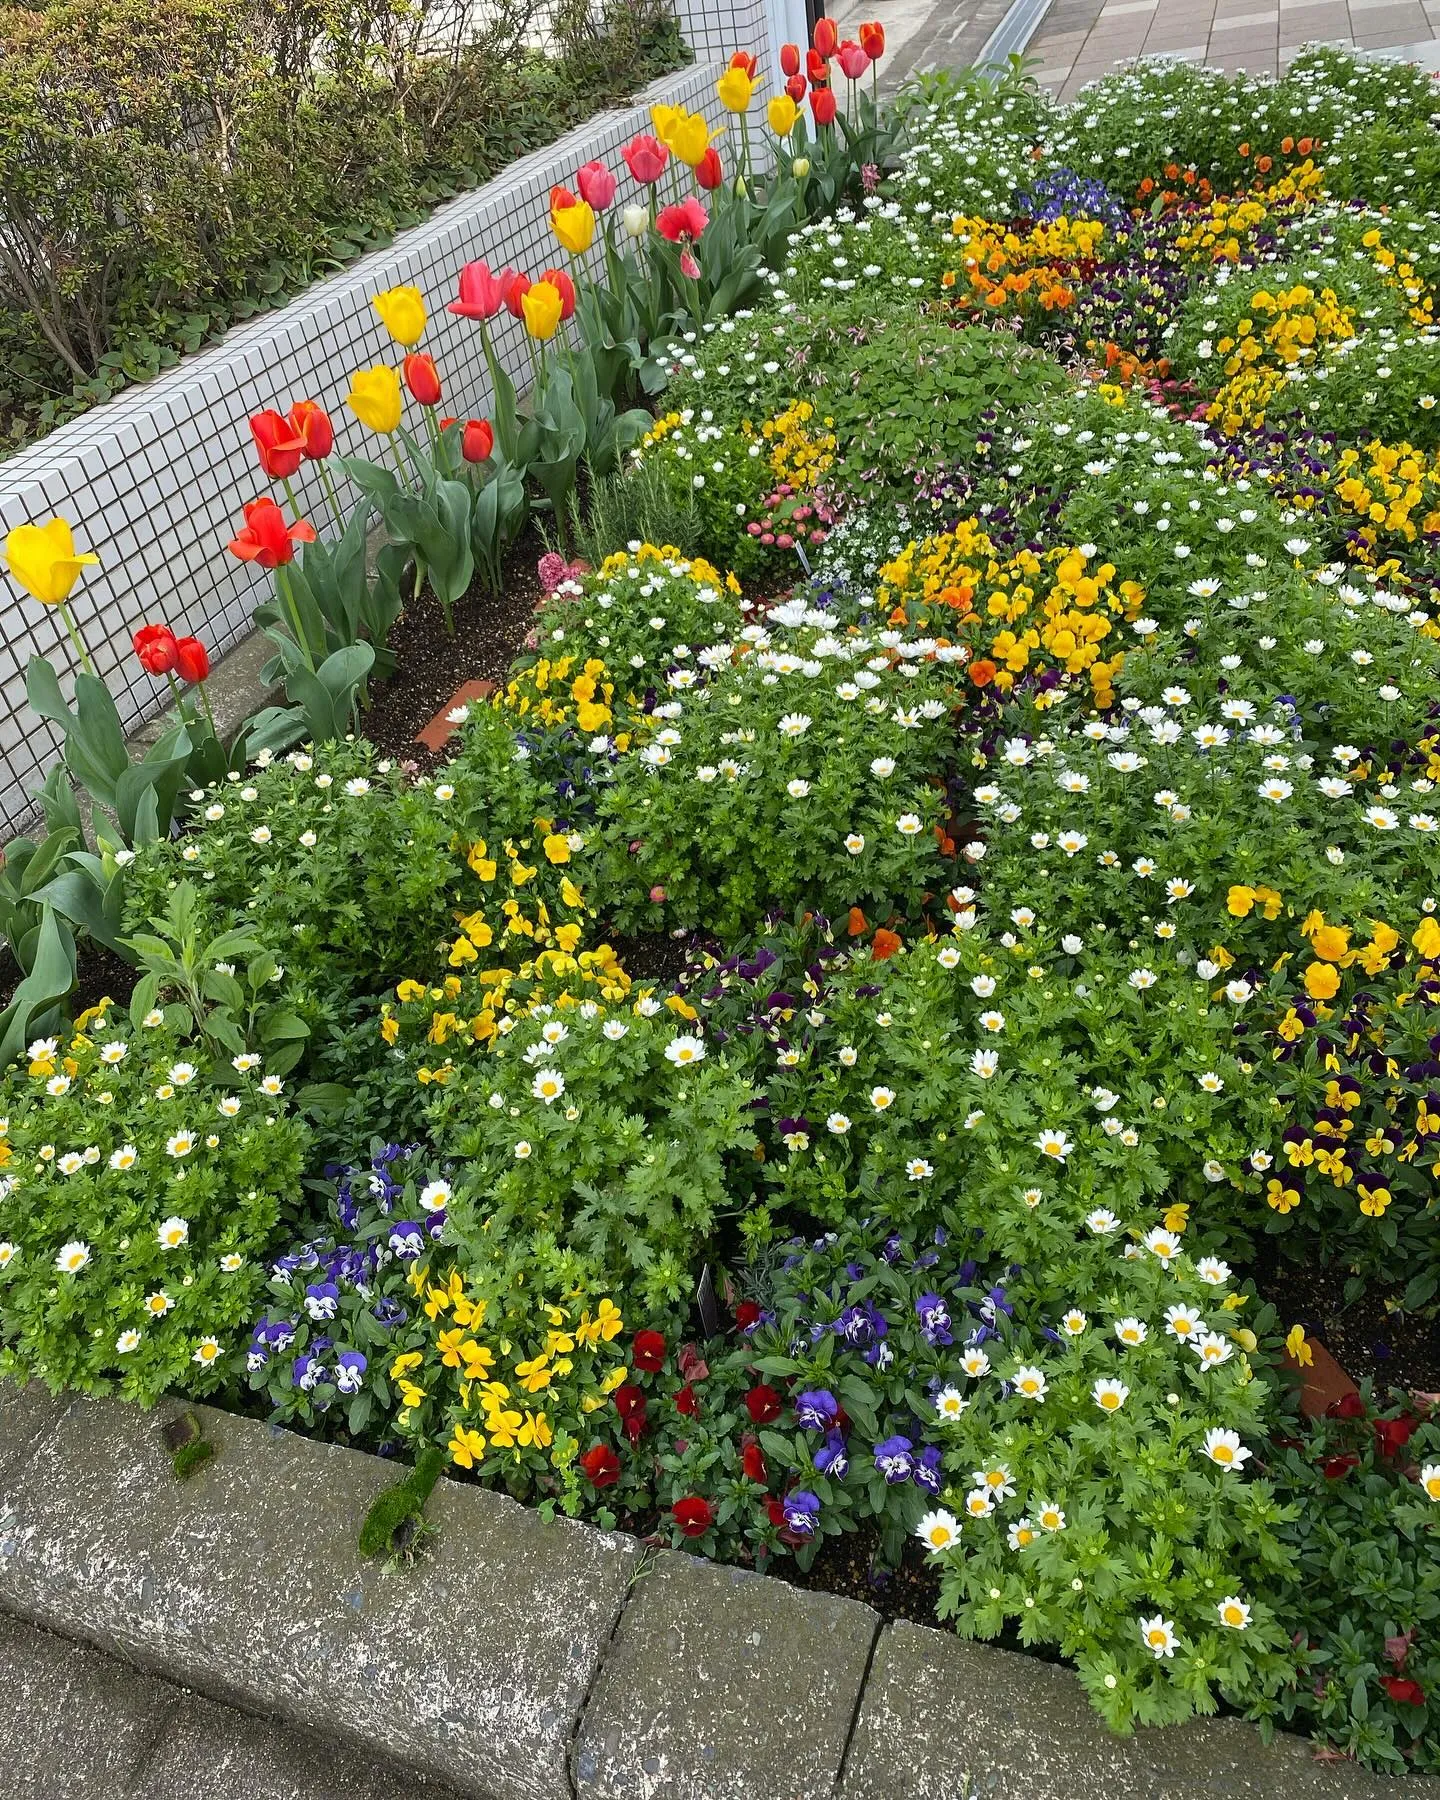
column 1370, row 1337
column 102, row 976
column 848, row 1565
column 432, row 664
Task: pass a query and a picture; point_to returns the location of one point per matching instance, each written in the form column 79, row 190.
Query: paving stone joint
column 232, row 1630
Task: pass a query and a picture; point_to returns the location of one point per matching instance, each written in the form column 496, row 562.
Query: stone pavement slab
column 246, row 1583
column 946, row 1720
column 723, row 1685
column 24, row 1414
column 76, row 1726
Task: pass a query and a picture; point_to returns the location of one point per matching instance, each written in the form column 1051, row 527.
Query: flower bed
column 1003, row 664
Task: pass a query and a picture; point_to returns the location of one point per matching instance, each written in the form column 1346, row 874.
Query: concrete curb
column 519, row 1660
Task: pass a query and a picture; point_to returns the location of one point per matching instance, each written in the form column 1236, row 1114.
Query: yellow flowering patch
column 1023, row 613
column 1030, row 270
column 1279, row 330
column 1392, row 491
column 800, row 450
column 506, row 1380
column 1220, row 231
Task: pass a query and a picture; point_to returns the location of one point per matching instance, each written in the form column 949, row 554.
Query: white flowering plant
column 142, row 1179
column 598, row 1142
column 337, row 860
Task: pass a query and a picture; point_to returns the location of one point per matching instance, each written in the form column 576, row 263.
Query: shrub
column 163, row 175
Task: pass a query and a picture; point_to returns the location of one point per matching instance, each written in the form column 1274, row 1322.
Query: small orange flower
column 857, row 922
column 884, row 945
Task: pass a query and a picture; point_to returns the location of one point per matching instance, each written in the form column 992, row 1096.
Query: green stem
column 290, row 496
column 179, row 693
column 400, row 467
column 287, row 595
column 80, row 650
column 210, row 716
column 328, row 483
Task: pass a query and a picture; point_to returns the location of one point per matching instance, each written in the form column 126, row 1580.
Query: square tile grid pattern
column 154, row 482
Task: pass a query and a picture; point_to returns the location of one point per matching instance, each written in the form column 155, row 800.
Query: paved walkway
column 76, row 1726
column 1081, row 39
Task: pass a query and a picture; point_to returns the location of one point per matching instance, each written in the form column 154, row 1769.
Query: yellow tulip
column 402, row 310
column 736, row 90
column 542, row 307
column 691, row 135
column 42, row 559
column 782, row 112
column 375, row 397
column 575, row 226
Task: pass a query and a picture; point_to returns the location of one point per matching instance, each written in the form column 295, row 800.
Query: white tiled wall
column 154, row 481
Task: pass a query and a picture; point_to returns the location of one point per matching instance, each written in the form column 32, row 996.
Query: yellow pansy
column 556, row 847
column 466, row 1447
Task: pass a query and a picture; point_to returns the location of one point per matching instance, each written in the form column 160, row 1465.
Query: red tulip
column 422, row 377
column 789, row 59
column 693, row 1515
column 596, row 184
column 565, row 287
column 515, row 287
column 648, row 1351
column 708, row 171
column 646, row 157
column 481, row 293
column 752, row 1461
column 477, row 441
column 795, row 88
column 311, row 424
column 825, row 36
column 852, row 60
column 560, row 197
column 601, row 1465
column 155, row 646
column 683, row 223
column 266, row 538
column 192, row 659
column 872, row 40
column 742, row 59
column 280, row 449
column 822, row 104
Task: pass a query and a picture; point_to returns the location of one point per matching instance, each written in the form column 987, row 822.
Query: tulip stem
column 210, row 716
column 179, row 693
column 302, row 643
column 333, row 497
column 285, row 482
column 75, row 639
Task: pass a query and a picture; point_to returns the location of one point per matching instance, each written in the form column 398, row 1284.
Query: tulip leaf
column 51, row 978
